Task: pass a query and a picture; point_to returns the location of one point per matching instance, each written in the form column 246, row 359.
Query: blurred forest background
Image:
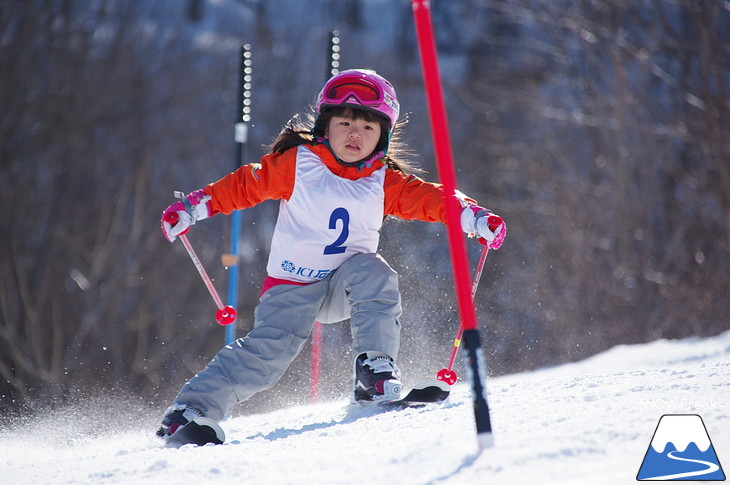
column 599, row 129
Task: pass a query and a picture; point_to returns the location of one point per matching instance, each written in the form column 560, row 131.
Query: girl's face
column 352, row 140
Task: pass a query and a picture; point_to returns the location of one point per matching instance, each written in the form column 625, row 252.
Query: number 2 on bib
column 339, row 214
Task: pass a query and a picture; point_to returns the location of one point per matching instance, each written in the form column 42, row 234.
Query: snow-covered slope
column 584, row 423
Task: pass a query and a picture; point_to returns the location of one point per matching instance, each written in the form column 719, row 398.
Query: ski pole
column 225, row 315
column 448, row 375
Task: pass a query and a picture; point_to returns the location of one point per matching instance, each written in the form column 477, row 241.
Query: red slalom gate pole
column 333, row 63
column 447, row 174
column 316, row 362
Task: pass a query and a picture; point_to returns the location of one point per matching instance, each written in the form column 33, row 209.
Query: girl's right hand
column 180, row 215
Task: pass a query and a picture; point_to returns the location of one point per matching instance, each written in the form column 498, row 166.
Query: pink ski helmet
column 360, row 89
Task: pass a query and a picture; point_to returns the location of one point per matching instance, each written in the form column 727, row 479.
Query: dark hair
column 297, row 132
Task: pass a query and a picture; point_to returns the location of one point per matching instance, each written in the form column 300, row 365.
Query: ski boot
column 175, row 417
column 377, row 378
column 183, row 425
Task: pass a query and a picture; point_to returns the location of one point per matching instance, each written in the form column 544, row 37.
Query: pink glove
column 180, row 215
column 488, row 227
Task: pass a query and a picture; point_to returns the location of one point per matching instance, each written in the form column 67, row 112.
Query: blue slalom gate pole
column 233, row 272
column 243, row 116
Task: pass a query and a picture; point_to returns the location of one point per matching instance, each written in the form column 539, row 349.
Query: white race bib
column 326, row 221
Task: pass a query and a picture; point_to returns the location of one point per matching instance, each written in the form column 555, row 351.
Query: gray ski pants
column 364, row 289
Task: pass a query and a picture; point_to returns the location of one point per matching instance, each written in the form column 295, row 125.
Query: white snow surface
column 589, row 422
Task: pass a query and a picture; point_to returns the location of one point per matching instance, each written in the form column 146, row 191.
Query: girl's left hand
column 487, row 226
column 491, row 230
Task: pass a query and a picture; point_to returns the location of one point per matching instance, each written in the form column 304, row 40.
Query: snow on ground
column 589, row 422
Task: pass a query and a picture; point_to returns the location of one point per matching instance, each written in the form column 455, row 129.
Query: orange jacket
column 406, row 196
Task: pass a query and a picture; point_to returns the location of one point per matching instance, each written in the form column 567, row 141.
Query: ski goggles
column 366, row 93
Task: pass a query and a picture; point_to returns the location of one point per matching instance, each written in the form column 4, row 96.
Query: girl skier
column 336, row 182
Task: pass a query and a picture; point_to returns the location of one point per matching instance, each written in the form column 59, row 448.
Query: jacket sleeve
column 254, row 183
column 410, row 197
